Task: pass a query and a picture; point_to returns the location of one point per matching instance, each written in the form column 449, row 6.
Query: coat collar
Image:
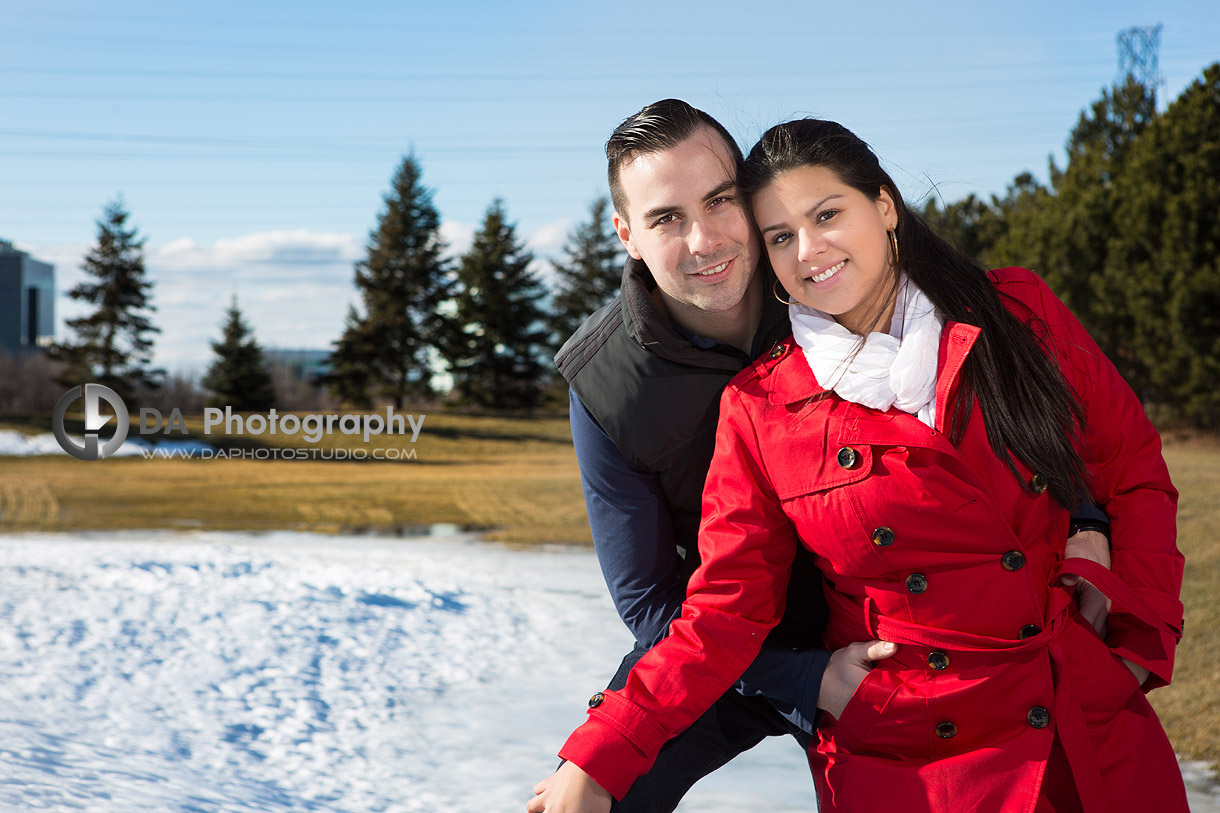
column 789, row 378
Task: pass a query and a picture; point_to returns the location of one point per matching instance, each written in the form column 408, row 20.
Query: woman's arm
column 1129, row 481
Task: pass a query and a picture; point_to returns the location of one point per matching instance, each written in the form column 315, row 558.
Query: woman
column 923, row 433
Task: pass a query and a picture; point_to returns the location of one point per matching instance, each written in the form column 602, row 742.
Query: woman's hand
column 1094, row 605
column 569, row 790
column 847, row 667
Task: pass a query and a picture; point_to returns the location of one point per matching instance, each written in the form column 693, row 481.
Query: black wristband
column 1085, row 524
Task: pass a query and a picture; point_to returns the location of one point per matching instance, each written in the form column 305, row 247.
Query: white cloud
column 458, row 237
column 293, row 288
column 548, row 240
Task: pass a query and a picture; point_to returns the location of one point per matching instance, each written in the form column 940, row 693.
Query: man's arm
column 632, row 531
column 633, row 535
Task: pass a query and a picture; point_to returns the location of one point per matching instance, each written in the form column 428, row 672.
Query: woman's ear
column 887, row 208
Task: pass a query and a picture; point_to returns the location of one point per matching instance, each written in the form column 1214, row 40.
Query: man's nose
column 703, row 238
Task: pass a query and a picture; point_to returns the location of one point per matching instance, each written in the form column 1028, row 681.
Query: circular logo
column 94, row 421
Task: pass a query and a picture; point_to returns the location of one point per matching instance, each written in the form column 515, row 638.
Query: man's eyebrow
column 808, row 211
column 728, row 185
column 657, row 211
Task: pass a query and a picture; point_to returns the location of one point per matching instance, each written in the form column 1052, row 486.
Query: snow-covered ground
column 277, row 672
column 239, row 672
column 16, row 444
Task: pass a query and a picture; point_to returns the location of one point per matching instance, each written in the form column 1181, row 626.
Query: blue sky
column 252, row 142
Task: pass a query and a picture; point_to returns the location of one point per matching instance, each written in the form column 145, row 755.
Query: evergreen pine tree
column 352, row 363
column 1163, row 266
column 495, row 360
column 1074, row 230
column 239, row 377
column 972, row 224
column 113, row 344
column 402, row 283
column 1024, row 215
column 589, row 275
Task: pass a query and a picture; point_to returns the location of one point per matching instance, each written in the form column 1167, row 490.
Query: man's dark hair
column 659, row 126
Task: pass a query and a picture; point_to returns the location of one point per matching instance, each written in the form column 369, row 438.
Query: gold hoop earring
column 893, row 245
column 775, row 293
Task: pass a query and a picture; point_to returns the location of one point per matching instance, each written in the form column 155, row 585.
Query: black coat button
column 1013, row 560
column 1038, row 717
column 776, row 351
column 946, row 731
column 1029, row 631
column 848, row 457
column 883, row 537
column 596, row 700
column 938, row 660
column 917, row 583
column 1037, row 483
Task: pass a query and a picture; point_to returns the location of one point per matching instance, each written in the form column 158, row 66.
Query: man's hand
column 1094, row 605
column 569, row 790
column 847, row 667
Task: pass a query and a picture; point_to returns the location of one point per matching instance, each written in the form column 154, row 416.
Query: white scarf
column 891, row 369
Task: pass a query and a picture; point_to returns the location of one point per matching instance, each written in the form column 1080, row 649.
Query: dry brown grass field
column 517, row 479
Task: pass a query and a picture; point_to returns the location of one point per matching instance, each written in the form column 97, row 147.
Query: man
column 646, row 374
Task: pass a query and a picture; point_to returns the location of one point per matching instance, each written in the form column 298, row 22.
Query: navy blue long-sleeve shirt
column 633, row 536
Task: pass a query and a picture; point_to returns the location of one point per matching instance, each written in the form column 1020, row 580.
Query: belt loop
column 868, row 616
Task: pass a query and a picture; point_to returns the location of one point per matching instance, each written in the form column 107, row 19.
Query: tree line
column 480, row 318
column 1127, row 232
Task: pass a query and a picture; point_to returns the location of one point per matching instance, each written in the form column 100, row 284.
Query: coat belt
column 1061, row 606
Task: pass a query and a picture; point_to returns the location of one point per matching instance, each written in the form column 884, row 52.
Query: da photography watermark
column 312, row 427
column 94, row 421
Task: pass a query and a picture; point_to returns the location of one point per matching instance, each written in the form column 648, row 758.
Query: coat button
column 938, row 660
column 946, row 731
column 1037, row 483
column 776, row 351
column 848, row 457
column 1013, row 560
column 883, row 537
column 1029, row 631
column 596, row 700
column 917, row 583
column 1038, row 717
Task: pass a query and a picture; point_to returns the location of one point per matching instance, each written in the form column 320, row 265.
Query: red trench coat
column 941, row 550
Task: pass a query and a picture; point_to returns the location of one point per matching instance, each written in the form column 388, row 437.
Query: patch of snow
column 15, row 444
column 293, row 672
column 238, row 672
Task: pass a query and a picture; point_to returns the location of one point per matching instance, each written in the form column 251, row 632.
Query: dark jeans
column 733, row 725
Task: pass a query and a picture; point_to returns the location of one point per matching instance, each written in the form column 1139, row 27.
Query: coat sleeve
column 736, row 596
column 1130, row 482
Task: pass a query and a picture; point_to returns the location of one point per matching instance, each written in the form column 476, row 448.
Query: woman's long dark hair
column 1028, row 408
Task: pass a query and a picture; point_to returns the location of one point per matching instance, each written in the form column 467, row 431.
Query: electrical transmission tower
column 1139, row 55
